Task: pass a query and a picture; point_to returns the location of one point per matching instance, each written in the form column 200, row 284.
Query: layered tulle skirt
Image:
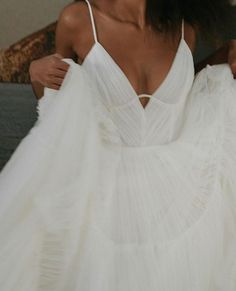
column 79, row 213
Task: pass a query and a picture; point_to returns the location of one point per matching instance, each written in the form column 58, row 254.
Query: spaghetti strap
column 92, row 21
column 182, row 27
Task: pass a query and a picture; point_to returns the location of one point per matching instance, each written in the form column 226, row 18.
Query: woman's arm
column 50, row 71
column 224, row 54
column 232, row 56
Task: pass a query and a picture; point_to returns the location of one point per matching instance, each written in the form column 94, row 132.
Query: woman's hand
column 224, row 54
column 232, row 56
column 49, row 71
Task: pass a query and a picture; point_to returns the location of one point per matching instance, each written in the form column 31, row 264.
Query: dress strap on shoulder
column 182, row 28
column 92, row 21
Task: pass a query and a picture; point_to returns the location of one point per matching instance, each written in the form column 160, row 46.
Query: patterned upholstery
column 15, row 60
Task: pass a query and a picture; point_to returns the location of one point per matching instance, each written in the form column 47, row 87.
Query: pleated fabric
column 113, row 197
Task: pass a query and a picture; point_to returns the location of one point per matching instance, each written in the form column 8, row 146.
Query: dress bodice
column 160, row 120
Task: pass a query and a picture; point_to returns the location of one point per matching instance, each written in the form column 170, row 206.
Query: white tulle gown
column 103, row 194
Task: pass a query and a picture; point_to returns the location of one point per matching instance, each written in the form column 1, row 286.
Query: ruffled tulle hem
column 86, row 212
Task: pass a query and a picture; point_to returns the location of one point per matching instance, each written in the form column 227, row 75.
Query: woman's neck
column 132, row 11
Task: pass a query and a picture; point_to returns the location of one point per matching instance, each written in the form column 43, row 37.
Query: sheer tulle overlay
column 113, row 198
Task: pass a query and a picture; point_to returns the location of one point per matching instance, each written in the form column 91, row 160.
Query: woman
column 71, row 35
column 127, row 180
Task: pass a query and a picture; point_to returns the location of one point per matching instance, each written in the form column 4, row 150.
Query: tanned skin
column 144, row 55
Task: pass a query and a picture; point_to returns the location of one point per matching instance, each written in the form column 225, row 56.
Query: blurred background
column 27, row 33
column 21, row 18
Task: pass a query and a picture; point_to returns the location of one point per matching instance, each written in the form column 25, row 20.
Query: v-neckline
column 120, row 70
column 125, row 78
column 118, row 67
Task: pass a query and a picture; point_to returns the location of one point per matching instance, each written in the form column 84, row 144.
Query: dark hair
column 212, row 19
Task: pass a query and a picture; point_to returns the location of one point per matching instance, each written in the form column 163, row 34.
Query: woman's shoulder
column 74, row 14
column 71, row 26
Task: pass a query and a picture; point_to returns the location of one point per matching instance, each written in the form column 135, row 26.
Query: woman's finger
column 62, row 66
column 54, row 86
column 57, row 81
column 58, row 73
column 233, row 68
